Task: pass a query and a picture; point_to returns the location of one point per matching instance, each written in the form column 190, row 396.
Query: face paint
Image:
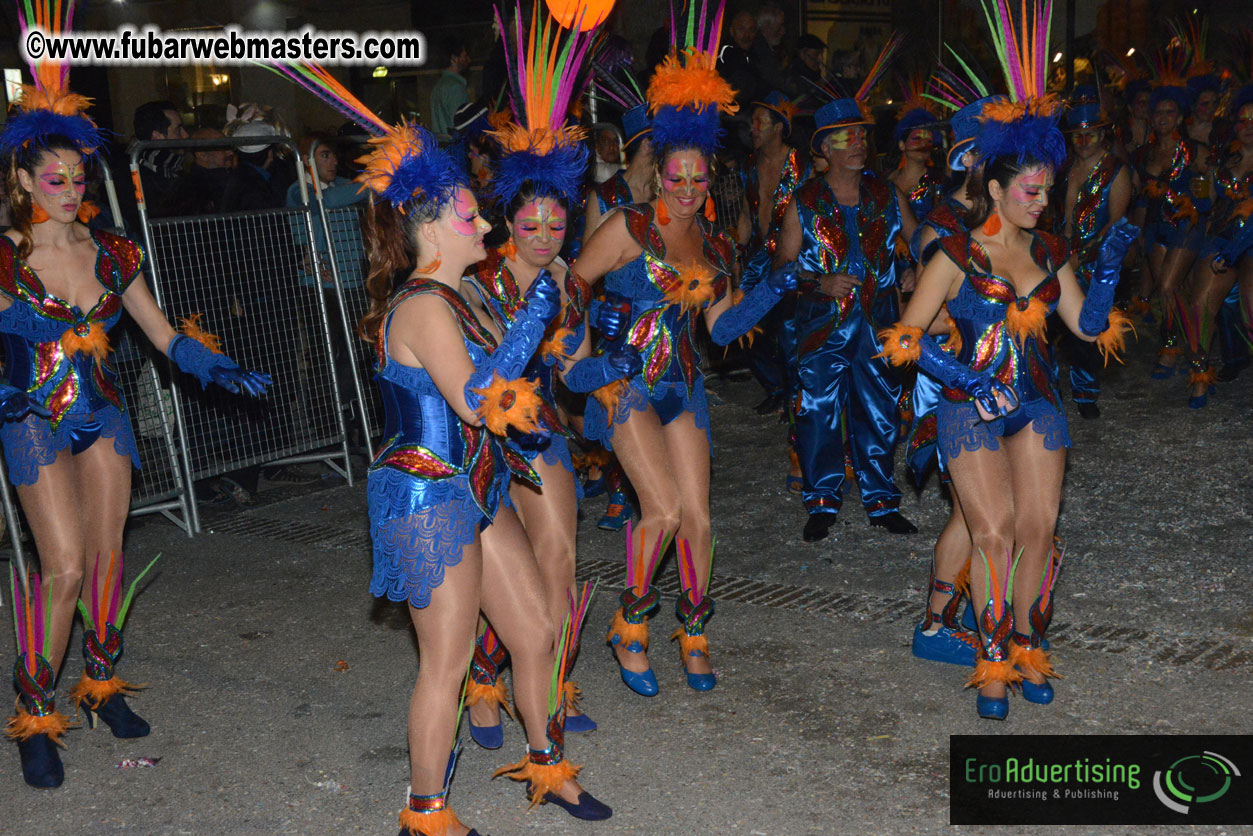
column 465, row 213
column 685, row 174
column 56, row 177
column 846, row 138
column 1031, row 188
column 918, row 139
column 540, row 219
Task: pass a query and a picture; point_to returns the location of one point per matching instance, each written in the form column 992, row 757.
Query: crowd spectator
column 451, row 91
column 768, row 52
column 806, row 70
column 735, row 59
column 608, row 151
column 200, row 188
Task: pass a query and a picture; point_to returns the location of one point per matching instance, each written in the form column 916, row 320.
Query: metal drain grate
column 1160, row 646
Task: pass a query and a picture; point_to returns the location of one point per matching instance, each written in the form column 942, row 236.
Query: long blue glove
column 610, row 316
column 210, row 367
column 543, row 301
column 591, row 373
column 16, row 404
column 735, row 322
column 954, row 374
column 1094, row 315
column 1231, row 253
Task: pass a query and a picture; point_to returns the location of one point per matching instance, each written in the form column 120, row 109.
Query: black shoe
column 894, row 523
column 589, row 808
column 118, row 716
column 818, row 526
column 41, row 763
column 1089, row 410
column 772, row 403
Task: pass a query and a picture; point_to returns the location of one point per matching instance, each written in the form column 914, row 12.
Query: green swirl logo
column 1194, row 779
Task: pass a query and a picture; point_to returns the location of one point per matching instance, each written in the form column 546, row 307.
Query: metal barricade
column 158, row 487
column 240, row 272
column 343, row 259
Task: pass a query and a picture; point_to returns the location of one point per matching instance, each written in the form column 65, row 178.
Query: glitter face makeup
column 465, row 211
column 56, row 177
column 685, row 183
column 1031, row 188
column 539, row 230
column 1026, row 198
column 918, row 139
column 846, row 138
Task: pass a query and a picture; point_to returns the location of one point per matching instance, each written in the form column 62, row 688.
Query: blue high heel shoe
column 118, row 716
column 644, row 684
column 699, row 681
column 41, row 763
column 489, row 737
column 579, row 723
column 992, row 708
column 1038, row 694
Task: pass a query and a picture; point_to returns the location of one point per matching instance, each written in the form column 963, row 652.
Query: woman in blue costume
column 1001, row 426
column 536, row 183
column 446, row 539
column 648, row 401
column 1173, row 227
column 1227, row 256
column 67, row 437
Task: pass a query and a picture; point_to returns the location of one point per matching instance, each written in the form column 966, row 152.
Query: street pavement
column 278, row 688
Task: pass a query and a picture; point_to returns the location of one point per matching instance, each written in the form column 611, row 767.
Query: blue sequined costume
column 1233, row 206
column 1025, row 364
column 845, row 391
column 660, row 328
column 39, row 332
column 1172, row 213
column 772, row 356
column 1089, row 216
column 502, row 297
column 437, row 481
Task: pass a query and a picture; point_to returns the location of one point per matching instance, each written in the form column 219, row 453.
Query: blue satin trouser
column 845, row 391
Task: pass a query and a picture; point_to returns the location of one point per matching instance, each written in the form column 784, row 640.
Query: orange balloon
column 567, row 12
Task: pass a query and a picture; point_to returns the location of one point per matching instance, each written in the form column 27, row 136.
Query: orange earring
column 433, row 265
column 87, row 211
column 711, row 214
column 37, row 214
column 509, row 250
column 993, row 224
column 663, row 214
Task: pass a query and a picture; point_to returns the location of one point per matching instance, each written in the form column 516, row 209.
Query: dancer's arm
column 608, row 248
column 424, row 333
column 1089, row 316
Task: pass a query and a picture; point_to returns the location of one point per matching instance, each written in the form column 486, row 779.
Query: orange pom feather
column 609, row 394
column 95, row 692
column 509, row 403
column 190, row 327
column 94, row 343
column 571, row 694
column 694, row 288
column 87, row 211
column 901, row 344
column 690, row 80
column 543, row 778
column 440, row 823
column 689, row 644
column 554, row 345
column 988, row 672
column 627, row 633
column 24, row 725
column 1031, row 660
column 1113, row 340
column 1026, row 321
column 961, row 583
column 494, row 696
column 1206, row 378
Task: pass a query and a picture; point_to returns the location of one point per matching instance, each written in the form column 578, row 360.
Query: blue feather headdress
column 1022, row 125
column 686, row 94
column 48, row 107
column 547, row 72
column 405, row 164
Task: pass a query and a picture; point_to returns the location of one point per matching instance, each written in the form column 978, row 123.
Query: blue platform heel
column 694, row 608
column 484, row 686
column 939, row 637
column 996, row 626
column 1028, row 651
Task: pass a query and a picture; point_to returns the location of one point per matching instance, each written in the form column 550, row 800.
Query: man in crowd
column 450, row 92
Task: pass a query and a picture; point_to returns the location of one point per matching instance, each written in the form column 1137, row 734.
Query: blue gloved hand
column 16, row 404
column 592, row 373
column 543, row 301
column 210, row 367
column 736, row 321
column 1231, row 253
column 610, row 316
column 1094, row 315
column 954, row 374
column 985, row 388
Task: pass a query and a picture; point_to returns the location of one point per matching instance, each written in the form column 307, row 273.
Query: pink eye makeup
column 684, row 174
column 465, row 212
column 540, row 217
column 1031, row 189
column 55, row 177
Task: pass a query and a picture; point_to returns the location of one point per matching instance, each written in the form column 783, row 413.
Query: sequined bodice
column 666, row 298
column 1091, row 211
column 1233, row 203
column 994, row 323
column 923, row 196
column 614, row 192
column 54, row 350
column 1169, row 193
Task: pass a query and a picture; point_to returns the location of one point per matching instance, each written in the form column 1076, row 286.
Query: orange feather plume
column 690, row 80
column 901, row 344
column 509, row 403
column 1027, row 320
column 24, row 726
column 1113, row 340
column 988, row 672
column 190, row 327
column 1031, row 660
column 94, row 343
column 694, row 288
column 541, row 778
column 554, row 345
column 439, row 823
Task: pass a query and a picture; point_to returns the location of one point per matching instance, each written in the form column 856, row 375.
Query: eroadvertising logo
column 1100, row 779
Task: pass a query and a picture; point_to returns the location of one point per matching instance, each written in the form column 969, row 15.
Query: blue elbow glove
column 736, row 321
column 610, row 316
column 954, row 374
column 1231, row 253
column 1094, row 316
column 16, row 404
column 592, row 373
column 543, row 301
column 210, row 367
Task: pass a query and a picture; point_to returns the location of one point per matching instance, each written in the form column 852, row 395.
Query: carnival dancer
column 1001, row 424
column 1173, row 228
column 1225, row 258
column 916, row 134
column 648, row 401
column 447, row 541
column 1098, row 192
column 67, row 437
column 773, row 173
column 841, row 227
column 538, row 179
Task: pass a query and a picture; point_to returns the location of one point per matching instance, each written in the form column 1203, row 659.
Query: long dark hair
column 391, row 250
column 27, row 159
column 1001, row 169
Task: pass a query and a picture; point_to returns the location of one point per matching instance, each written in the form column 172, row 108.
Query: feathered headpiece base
column 405, row 164
column 685, row 96
column 553, row 160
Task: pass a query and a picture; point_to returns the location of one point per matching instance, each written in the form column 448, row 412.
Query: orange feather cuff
column 901, row 344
